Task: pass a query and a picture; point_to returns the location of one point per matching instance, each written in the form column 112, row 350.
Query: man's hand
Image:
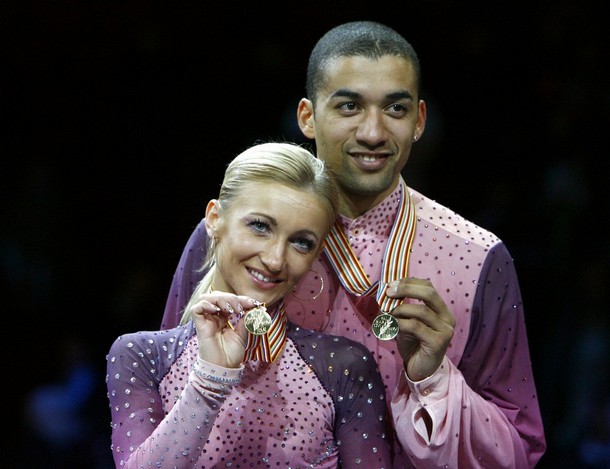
column 426, row 326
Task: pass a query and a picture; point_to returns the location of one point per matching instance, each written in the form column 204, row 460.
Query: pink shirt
column 482, row 401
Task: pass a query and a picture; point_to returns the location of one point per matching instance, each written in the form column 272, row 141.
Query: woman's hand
column 221, row 342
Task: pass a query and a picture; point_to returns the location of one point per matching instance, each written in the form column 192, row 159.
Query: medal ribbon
column 267, row 347
column 395, row 259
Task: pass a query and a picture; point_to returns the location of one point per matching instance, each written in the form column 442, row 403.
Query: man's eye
column 349, row 106
column 397, row 109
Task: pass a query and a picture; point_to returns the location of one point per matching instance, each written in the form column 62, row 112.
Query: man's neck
column 355, row 205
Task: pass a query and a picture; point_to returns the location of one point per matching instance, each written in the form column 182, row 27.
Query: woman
column 236, row 385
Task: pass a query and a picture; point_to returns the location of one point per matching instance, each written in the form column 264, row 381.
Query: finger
column 408, row 287
column 422, row 290
column 411, row 315
column 240, row 329
column 204, row 307
column 231, row 306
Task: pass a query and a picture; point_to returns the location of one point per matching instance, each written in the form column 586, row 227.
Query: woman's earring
column 304, row 286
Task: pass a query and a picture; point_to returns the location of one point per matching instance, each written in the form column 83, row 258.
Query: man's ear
column 421, row 120
column 212, row 215
column 305, row 118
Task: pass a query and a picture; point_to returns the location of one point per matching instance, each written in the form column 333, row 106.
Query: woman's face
column 267, row 240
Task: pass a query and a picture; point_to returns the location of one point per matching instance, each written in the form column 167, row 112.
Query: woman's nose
column 274, row 257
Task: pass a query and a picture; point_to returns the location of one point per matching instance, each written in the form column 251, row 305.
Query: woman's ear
column 212, row 215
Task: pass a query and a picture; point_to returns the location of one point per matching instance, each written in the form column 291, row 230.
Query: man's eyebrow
column 345, row 93
column 394, row 96
column 398, row 95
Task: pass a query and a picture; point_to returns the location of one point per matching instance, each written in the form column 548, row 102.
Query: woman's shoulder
column 152, row 343
column 324, row 350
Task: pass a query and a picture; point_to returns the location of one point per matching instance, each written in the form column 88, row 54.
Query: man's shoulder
column 434, row 215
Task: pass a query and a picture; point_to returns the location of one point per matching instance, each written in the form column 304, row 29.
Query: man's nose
column 371, row 129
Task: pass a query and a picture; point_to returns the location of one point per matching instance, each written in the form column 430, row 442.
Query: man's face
column 366, row 116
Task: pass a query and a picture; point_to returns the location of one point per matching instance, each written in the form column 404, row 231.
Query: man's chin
column 369, row 185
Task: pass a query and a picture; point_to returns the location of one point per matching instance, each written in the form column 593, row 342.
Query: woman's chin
column 270, row 300
column 267, row 296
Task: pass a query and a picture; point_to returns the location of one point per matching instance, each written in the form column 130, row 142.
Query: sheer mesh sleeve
column 143, row 435
column 186, row 276
column 349, row 373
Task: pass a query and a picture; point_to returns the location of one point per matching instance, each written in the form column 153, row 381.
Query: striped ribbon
column 395, row 259
column 267, row 347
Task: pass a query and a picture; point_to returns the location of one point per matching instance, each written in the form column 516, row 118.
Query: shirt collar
column 379, row 219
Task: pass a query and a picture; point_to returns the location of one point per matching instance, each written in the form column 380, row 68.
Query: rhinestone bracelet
column 201, row 369
column 217, row 379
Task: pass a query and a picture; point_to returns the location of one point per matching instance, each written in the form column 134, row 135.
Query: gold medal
column 385, row 326
column 257, row 320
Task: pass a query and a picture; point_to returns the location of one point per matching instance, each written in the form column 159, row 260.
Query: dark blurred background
column 117, row 119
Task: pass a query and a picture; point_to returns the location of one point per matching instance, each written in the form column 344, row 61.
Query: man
column 458, row 372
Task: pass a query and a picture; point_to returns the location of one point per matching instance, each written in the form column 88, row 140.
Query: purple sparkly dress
column 320, row 404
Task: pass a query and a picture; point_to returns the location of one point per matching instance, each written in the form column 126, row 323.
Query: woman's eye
column 259, row 226
column 304, row 244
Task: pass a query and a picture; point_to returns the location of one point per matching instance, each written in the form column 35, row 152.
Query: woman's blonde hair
column 284, row 163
